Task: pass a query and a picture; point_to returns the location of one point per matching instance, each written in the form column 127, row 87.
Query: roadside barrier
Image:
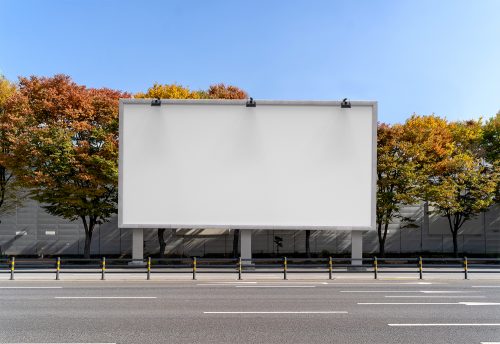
column 194, row 268
column 103, row 268
column 149, row 268
column 329, row 266
column 12, row 263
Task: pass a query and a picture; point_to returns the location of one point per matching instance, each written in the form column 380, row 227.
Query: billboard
column 221, row 164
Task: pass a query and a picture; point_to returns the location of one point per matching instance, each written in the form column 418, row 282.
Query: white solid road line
column 480, row 303
column 30, row 288
column 408, row 303
column 454, row 324
column 490, row 342
column 445, row 291
column 382, row 283
column 408, row 291
column 486, row 286
column 105, row 297
column 57, row 343
column 437, row 296
column 284, row 312
column 433, row 303
column 235, row 282
column 226, row 284
column 380, row 291
column 275, row 286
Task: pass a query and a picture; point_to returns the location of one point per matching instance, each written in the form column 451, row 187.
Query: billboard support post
column 357, row 247
column 246, row 246
column 137, row 246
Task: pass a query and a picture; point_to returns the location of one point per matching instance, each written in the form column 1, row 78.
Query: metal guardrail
column 240, row 266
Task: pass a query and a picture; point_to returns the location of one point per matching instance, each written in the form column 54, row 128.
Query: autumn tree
column 168, row 91
column 64, row 148
column 176, row 91
column 491, row 146
column 222, row 91
column 11, row 194
column 463, row 183
column 396, row 178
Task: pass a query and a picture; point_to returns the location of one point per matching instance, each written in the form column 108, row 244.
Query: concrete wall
column 429, row 233
column 29, row 230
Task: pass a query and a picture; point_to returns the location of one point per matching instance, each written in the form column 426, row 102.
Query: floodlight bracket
column 345, row 104
column 251, row 103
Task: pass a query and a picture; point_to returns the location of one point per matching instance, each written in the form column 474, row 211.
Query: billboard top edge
column 243, row 102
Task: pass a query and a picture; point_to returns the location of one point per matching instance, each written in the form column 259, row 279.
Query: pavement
column 261, row 308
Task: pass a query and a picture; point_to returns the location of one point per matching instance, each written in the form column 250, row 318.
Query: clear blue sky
column 411, row 56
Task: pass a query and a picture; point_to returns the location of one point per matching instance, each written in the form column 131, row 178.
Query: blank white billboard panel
column 220, row 164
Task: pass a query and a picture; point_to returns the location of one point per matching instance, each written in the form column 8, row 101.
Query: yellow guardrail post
column 375, row 267
column 420, row 267
column 330, row 268
column 239, row 269
column 194, row 268
column 466, row 267
column 103, row 268
column 149, row 268
column 58, row 267
column 284, row 268
column 12, row 265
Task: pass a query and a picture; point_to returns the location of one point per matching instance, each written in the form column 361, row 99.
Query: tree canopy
column 175, row 91
column 63, row 141
column 59, row 140
column 11, row 193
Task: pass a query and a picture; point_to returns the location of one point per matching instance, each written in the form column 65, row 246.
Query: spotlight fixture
column 345, row 104
column 251, row 103
column 156, row 102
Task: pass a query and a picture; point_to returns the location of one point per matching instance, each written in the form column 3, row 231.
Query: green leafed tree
column 462, row 184
column 64, row 148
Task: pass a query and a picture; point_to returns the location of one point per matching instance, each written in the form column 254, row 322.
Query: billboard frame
column 166, row 102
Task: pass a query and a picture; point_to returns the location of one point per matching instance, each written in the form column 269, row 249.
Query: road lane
column 177, row 312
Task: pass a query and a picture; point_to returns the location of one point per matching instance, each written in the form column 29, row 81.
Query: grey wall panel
column 431, row 235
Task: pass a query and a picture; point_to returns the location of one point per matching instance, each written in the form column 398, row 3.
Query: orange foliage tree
column 11, row 194
column 63, row 141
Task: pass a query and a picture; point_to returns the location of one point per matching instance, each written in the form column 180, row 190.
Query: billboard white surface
column 220, row 164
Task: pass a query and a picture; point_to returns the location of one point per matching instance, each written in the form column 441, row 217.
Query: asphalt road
column 205, row 311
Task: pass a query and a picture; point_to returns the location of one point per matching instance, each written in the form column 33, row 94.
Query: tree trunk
column 236, row 240
column 454, row 227
column 455, row 243
column 381, row 248
column 161, row 240
column 88, row 242
column 308, row 248
column 382, row 236
column 89, row 229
